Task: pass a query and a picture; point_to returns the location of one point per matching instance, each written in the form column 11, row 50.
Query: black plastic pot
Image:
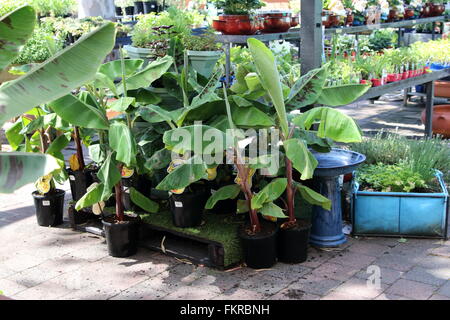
column 260, row 250
column 138, row 7
column 118, row 11
column 187, row 208
column 49, row 208
column 129, row 11
column 80, row 217
column 140, row 183
column 150, row 6
column 121, row 238
column 292, row 243
column 79, row 182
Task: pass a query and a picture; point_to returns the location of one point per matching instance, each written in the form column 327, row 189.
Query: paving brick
column 335, row 271
column 141, row 291
column 293, row 294
column 391, row 261
column 185, row 293
column 22, row 262
column 33, row 276
column 265, row 284
column 428, row 276
column 48, row 290
column 443, row 251
column 445, row 289
column 316, row 257
column 317, row 285
column 385, row 296
column 411, row 289
column 361, row 288
column 10, row 287
column 240, row 294
column 354, row 260
column 369, row 248
column 339, row 295
column 438, row 297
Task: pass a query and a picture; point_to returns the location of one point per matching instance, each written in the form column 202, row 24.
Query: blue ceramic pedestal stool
column 326, row 230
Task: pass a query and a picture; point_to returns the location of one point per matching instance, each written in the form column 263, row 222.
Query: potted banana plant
column 117, row 149
column 296, row 135
column 42, row 84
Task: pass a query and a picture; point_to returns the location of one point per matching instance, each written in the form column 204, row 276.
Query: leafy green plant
column 205, row 42
column 52, row 79
column 422, row 155
column 391, row 178
column 238, row 6
column 382, row 39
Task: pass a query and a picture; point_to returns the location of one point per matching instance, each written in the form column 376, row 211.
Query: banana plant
column 52, row 79
column 118, row 150
column 296, row 130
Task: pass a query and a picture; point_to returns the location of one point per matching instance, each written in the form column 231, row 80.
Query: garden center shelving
column 310, row 40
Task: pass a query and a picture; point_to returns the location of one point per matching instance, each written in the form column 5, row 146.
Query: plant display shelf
column 395, row 25
column 311, row 49
column 426, row 79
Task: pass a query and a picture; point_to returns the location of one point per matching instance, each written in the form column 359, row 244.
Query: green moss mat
column 218, row 228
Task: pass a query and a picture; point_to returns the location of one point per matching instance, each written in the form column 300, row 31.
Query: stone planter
column 203, row 61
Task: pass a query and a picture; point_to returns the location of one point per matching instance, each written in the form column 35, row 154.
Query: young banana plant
column 50, row 80
column 296, row 134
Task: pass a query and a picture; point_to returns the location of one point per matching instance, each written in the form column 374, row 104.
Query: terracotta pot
column 330, row 20
column 426, row 11
column 237, row 25
column 295, row 20
column 376, row 82
column 349, row 20
column 441, row 120
column 393, row 15
column 409, row 13
column 442, row 89
column 218, row 25
column 276, row 22
column 436, row 9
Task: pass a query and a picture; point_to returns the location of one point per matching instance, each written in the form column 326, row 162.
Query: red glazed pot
column 295, row 20
column 227, row 17
column 441, row 120
column 393, row 16
column 405, row 75
column 376, row 82
column 436, row 9
column 276, row 24
column 237, row 25
column 218, row 25
column 392, row 77
column 364, row 81
column 349, row 20
column 426, row 11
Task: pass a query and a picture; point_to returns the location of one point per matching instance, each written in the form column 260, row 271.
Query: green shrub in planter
column 203, row 52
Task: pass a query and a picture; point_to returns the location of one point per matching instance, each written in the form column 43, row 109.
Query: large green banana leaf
column 59, row 75
column 15, row 29
column 270, row 78
column 308, row 88
column 17, row 169
column 342, row 95
column 333, row 124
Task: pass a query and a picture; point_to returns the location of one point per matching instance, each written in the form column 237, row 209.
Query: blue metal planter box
column 400, row 213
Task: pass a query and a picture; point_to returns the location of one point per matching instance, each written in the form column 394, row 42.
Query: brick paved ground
column 58, row 263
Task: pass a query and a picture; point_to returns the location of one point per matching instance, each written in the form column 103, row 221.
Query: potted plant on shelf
column 25, row 167
column 436, row 7
column 237, row 16
column 333, row 12
column 398, row 192
column 203, row 52
column 295, row 138
column 359, row 12
column 350, row 8
column 138, row 7
column 396, row 11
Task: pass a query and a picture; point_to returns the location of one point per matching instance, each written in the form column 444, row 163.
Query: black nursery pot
column 150, row 6
column 260, row 250
column 129, row 11
column 138, row 7
column 79, row 182
column 49, row 208
column 118, row 11
column 140, row 183
column 292, row 243
column 187, row 208
column 79, row 217
column 121, row 238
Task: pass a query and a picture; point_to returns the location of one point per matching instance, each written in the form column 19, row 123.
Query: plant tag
column 178, row 204
column 213, row 191
column 72, row 178
column 46, row 203
column 127, row 190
